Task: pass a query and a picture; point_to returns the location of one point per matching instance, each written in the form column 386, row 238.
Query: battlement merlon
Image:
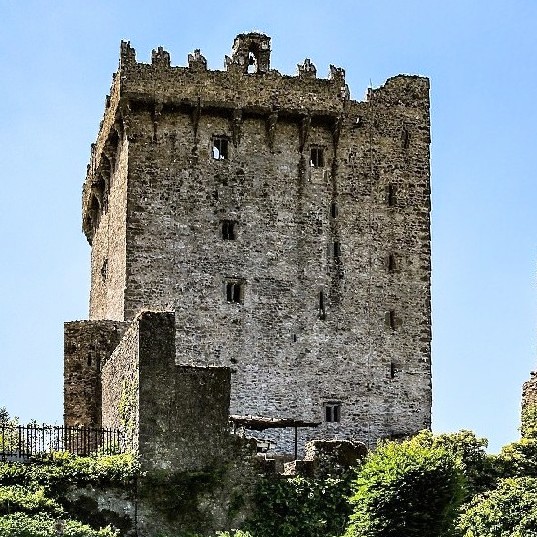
column 194, row 89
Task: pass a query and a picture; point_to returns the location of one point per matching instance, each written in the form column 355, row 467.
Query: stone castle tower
column 286, row 227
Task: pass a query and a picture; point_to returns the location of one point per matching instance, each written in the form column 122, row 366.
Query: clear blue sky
column 57, row 59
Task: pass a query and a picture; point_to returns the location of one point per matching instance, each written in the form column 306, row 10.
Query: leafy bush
column 17, row 498
column 233, row 533
column 406, row 489
column 478, row 467
column 301, row 506
column 63, row 469
column 528, row 426
column 30, row 494
column 518, row 459
column 43, row 525
column 508, row 511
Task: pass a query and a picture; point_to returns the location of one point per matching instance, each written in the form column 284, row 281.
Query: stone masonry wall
column 86, row 345
column 333, row 260
column 184, row 411
column 120, row 393
column 529, row 391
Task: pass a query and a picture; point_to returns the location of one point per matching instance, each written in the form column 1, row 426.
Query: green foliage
column 478, row 467
column 63, row 469
column 43, row 525
column 31, row 494
column 301, row 506
column 233, row 533
column 508, row 511
column 518, row 459
column 17, row 498
column 528, row 426
column 406, row 489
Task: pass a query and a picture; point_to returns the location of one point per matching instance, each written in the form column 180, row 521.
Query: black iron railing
column 20, row 442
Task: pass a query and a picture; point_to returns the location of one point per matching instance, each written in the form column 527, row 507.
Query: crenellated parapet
column 248, row 87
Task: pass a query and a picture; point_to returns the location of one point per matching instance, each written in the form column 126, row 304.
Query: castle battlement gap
column 286, row 227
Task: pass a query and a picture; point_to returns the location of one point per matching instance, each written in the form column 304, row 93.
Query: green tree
column 479, row 468
column 508, row 511
column 406, row 489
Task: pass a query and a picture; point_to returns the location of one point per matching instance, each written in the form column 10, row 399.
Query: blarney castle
column 260, row 248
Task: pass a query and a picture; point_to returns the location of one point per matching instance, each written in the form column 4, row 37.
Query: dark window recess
column 322, row 310
column 89, row 360
column 406, row 138
column 234, row 292
column 393, row 370
column 391, row 192
column 333, row 210
column 317, row 157
column 389, row 319
column 104, row 270
column 390, row 263
column 332, row 412
column 220, row 148
column 337, row 249
column 228, row 230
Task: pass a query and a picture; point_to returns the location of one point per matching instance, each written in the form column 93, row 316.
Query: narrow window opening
column 294, row 338
column 334, row 210
column 104, row 270
column 322, row 311
column 337, row 249
column 391, row 192
column 89, row 360
column 406, row 138
column 389, row 319
column 252, row 63
column 316, row 157
column 332, row 412
column 220, row 148
column 234, row 292
column 390, row 263
column 228, row 230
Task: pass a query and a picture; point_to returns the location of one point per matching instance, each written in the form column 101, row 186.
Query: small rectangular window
column 406, row 137
column 220, row 148
column 390, row 263
column 334, row 210
column 337, row 249
column 235, row 292
column 228, row 230
column 391, row 192
column 389, row 319
column 332, row 412
column 322, row 311
column 316, row 157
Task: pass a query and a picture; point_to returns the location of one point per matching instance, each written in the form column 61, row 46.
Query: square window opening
column 235, row 292
column 332, row 412
column 220, row 149
column 229, row 230
column 317, row 157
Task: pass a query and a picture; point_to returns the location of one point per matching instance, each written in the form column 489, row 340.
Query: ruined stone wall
column 184, row 411
column 529, row 392
column 86, row 345
column 120, row 377
column 334, row 260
